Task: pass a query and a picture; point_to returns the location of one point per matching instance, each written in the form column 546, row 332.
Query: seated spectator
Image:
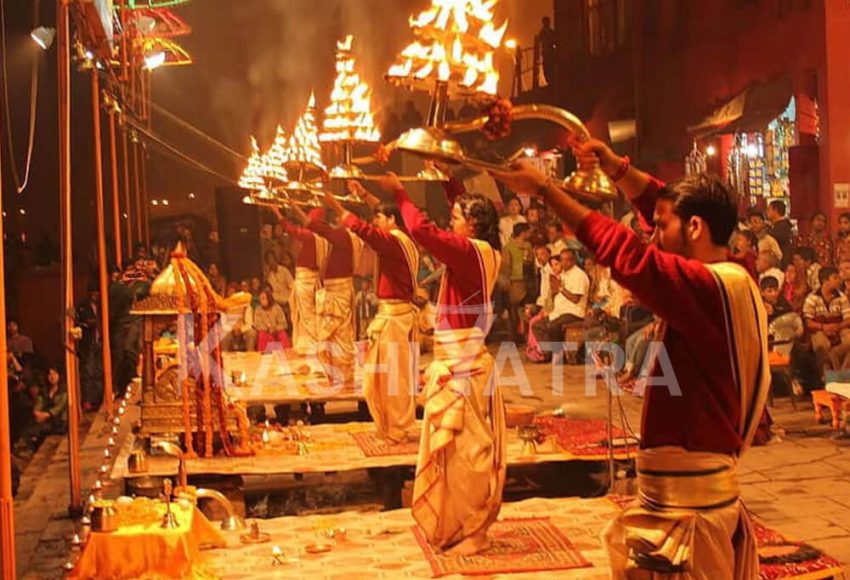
column 556, row 241
column 20, row 408
column 13, row 365
column 427, row 320
column 842, row 242
column 766, row 242
column 636, row 367
column 365, row 308
column 767, row 265
column 844, row 274
column 217, row 280
column 774, row 302
column 539, row 271
column 818, row 239
column 280, row 279
column 795, row 288
column 542, row 308
column 50, row 412
column 238, row 328
column 805, row 261
column 270, row 322
column 536, row 227
column 515, row 256
column 570, row 295
column 827, row 316
column 514, row 216
column 743, row 247
column 19, row 344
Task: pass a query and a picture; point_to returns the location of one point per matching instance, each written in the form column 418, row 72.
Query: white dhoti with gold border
column 689, row 523
column 391, row 373
column 305, row 332
column 335, row 308
column 460, row 472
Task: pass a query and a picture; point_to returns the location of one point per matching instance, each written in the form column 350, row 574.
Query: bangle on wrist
column 543, row 189
column 622, row 170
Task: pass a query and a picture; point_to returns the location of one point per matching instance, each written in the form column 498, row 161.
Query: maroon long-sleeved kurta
column 684, row 293
column 341, row 257
column 395, row 281
column 462, row 304
column 307, row 256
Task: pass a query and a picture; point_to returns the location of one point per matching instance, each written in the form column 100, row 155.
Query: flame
column 349, row 116
column 468, row 28
column 252, row 175
column 303, row 146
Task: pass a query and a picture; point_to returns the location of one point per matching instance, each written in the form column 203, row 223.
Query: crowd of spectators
column 804, row 280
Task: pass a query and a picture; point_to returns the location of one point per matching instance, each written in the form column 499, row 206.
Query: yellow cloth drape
column 391, row 377
column 689, row 519
column 150, row 552
column 305, row 332
column 335, row 309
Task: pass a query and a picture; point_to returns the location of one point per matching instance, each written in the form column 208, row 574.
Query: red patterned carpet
column 374, row 446
column 579, row 436
column 518, row 545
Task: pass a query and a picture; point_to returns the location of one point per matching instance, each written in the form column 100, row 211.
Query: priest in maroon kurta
column 710, row 379
column 390, row 373
column 460, row 470
column 308, row 280
column 335, row 301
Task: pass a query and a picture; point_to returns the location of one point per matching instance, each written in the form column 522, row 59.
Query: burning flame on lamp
column 456, row 43
column 303, row 148
column 252, row 175
column 349, row 116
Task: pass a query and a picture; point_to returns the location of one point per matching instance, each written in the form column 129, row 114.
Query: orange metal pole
column 103, row 266
column 128, row 202
column 116, row 202
column 7, row 511
column 68, row 326
column 140, row 209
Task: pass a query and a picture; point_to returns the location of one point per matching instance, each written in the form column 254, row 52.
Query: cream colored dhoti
column 389, row 380
column 460, row 472
column 305, row 332
column 335, row 308
column 689, row 523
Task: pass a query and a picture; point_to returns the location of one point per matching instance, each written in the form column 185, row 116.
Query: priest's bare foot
column 470, row 546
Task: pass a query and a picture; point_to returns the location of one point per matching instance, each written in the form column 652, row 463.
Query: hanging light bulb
column 43, row 37
column 155, row 60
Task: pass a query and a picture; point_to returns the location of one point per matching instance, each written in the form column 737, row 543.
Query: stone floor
column 798, row 485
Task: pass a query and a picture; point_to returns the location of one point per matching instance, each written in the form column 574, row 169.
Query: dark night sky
column 256, row 62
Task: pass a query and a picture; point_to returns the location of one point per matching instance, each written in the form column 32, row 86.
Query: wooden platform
column 382, row 545
column 282, row 378
column 331, row 448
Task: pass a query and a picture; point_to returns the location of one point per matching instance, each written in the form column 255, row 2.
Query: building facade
column 761, row 88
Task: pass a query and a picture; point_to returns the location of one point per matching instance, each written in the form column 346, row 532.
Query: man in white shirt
column 555, row 235
column 507, row 223
column 280, row 279
column 768, row 265
column 569, row 301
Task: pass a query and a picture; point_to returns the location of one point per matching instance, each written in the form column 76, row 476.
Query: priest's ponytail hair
column 480, row 212
column 706, row 196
